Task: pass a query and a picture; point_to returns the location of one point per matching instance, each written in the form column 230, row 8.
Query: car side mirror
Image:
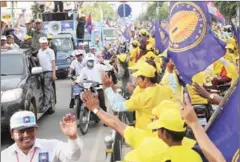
column 36, row 70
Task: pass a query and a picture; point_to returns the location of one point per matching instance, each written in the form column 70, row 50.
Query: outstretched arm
column 208, row 148
column 113, row 122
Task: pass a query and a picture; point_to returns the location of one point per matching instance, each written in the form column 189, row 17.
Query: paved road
column 49, row 128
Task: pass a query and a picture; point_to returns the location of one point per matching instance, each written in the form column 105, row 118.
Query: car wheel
column 51, row 110
column 32, row 108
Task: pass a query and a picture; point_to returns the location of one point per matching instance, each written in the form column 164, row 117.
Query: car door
column 36, row 85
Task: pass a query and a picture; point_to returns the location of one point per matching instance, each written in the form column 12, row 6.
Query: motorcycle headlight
column 11, row 95
column 68, row 60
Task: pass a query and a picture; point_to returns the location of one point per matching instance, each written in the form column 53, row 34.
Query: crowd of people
column 157, row 93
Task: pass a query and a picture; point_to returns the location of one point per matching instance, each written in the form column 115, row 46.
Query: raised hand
column 68, row 126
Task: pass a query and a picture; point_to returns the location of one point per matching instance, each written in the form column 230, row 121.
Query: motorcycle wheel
column 84, row 118
column 77, row 107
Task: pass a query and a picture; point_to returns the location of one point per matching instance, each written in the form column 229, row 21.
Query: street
column 49, row 128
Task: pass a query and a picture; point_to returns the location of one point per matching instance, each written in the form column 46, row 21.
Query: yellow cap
column 122, row 57
column 135, row 43
column 150, row 150
column 166, row 104
column 145, row 70
column 49, row 36
column 143, row 32
column 137, row 65
column 169, row 119
column 149, row 55
column 26, row 37
column 149, row 47
column 229, row 46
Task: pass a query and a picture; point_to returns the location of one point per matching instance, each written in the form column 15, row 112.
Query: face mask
column 90, row 64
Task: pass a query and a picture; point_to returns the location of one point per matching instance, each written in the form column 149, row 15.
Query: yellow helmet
column 135, row 43
column 26, row 37
column 150, row 47
column 49, row 36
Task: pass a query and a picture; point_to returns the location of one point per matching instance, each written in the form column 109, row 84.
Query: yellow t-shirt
column 137, row 90
column 134, row 137
column 145, row 101
column 152, row 41
column 199, row 78
column 181, row 154
column 150, row 150
column 133, row 55
column 178, row 91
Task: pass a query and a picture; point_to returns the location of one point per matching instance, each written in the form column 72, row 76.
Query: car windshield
column 109, row 33
column 63, row 44
column 12, row 64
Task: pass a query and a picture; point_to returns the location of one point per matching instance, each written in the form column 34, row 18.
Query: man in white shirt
column 77, row 65
column 94, row 72
column 46, row 59
column 27, row 147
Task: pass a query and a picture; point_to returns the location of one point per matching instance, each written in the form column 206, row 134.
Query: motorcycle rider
column 77, row 65
column 93, row 71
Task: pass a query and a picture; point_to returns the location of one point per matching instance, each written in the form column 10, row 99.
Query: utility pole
column 157, row 10
column 12, row 13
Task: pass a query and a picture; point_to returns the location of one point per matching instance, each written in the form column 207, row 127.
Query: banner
column 192, row 44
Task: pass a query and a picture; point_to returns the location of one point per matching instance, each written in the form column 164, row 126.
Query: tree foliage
column 35, row 10
column 153, row 8
column 95, row 9
column 228, row 8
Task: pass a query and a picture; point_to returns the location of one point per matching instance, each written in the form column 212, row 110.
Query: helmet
column 49, row 36
column 90, row 57
column 150, row 47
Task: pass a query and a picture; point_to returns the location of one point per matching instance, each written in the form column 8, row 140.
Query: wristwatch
column 95, row 110
column 211, row 96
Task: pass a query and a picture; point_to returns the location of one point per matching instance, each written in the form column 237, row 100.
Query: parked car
column 65, row 46
column 21, row 85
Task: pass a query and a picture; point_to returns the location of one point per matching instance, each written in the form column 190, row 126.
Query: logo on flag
column 187, row 26
column 192, row 45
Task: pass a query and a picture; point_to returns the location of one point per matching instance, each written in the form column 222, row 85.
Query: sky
column 137, row 7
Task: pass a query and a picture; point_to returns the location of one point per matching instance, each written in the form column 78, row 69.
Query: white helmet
column 90, row 57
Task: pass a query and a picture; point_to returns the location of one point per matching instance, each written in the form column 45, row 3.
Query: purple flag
column 192, row 44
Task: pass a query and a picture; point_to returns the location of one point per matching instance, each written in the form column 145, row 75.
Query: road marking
column 96, row 146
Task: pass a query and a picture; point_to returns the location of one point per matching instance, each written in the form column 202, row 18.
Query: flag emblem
column 187, row 27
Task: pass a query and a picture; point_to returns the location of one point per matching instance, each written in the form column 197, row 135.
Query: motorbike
column 221, row 89
column 84, row 116
column 204, row 113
